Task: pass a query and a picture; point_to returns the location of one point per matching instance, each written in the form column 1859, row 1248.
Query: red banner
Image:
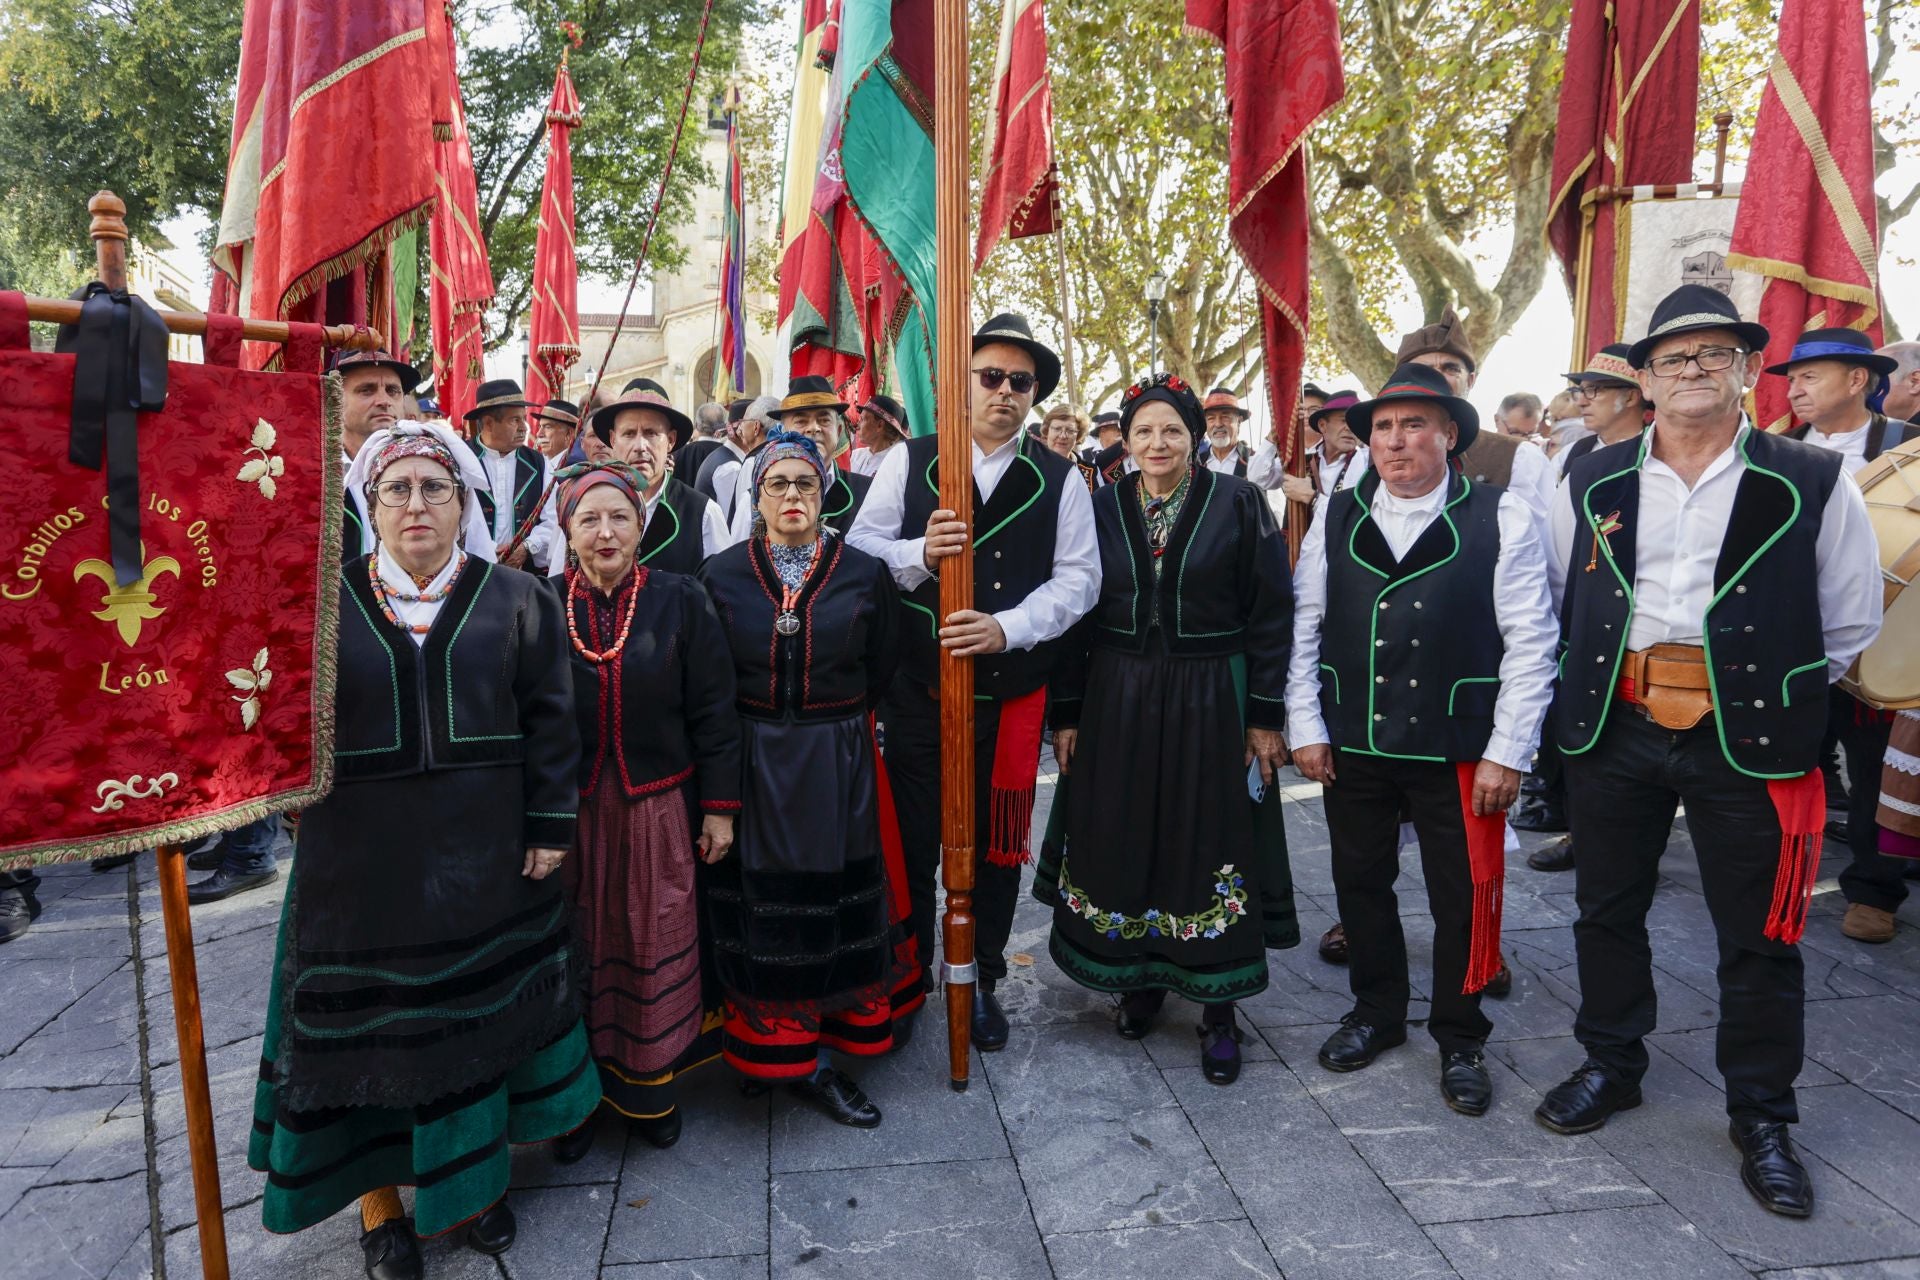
column 1017, row 198
column 462, row 283
column 553, row 329
column 1811, row 225
column 201, row 696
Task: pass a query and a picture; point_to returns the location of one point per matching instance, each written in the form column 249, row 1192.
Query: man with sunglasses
column 1035, row 573
column 1713, row 581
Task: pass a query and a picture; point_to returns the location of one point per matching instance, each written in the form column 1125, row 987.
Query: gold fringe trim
column 311, row 281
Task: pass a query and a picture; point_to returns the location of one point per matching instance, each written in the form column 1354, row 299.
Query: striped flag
column 730, row 371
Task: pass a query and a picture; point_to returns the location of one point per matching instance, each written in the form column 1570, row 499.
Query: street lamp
column 1156, row 292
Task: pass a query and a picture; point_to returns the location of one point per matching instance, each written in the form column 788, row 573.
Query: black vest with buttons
column 1410, row 649
column 1765, row 648
column 529, row 468
column 1012, row 556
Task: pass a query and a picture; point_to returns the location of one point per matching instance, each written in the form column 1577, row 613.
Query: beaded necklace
column 384, row 595
column 626, row 624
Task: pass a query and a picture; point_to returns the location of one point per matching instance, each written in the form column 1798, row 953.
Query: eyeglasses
column 1580, row 392
column 1710, row 360
column 991, row 379
column 803, row 486
column 398, row 493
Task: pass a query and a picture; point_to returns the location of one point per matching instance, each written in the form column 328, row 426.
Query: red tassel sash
column 1016, row 756
column 1487, row 865
column 1801, row 804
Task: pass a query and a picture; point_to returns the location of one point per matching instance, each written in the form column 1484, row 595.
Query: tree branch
column 1348, row 329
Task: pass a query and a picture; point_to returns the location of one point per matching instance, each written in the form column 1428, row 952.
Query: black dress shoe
column 1464, row 1082
column 1220, row 1051
column 661, row 1131
column 1333, row 944
column 1500, row 986
column 19, row 908
column 1358, row 1042
column 1584, row 1100
column 1137, row 1010
column 224, row 884
column 111, row 862
column 392, row 1252
column 1557, row 856
column 839, row 1097
column 1546, row 813
column 989, row 1022
column 209, row 857
column 1770, row 1169
column 493, row 1231
column 571, row 1148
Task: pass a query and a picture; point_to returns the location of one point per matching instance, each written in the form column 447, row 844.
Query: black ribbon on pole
column 119, row 347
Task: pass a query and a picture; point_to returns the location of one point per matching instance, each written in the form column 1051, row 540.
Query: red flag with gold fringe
column 553, row 329
column 462, row 283
column 1017, row 198
column 1811, row 227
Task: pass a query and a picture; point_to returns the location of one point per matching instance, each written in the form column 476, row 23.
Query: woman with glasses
column 659, row 789
column 1173, row 874
column 421, row 1015
column 808, row 919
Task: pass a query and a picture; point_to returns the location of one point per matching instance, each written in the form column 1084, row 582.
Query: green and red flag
column 553, row 327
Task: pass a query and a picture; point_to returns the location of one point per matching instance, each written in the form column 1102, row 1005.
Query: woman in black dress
column 1172, row 877
column 808, row 918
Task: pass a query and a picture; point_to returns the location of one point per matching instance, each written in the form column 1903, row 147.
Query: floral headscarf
column 781, row 445
column 576, row 480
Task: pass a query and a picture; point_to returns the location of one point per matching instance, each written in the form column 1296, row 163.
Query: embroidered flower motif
column 1229, row 905
column 252, row 682
column 268, row 466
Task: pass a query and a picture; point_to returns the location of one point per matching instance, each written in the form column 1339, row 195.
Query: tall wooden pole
column 953, row 359
column 109, row 231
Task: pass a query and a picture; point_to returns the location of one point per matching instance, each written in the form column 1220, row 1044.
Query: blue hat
column 1848, row 346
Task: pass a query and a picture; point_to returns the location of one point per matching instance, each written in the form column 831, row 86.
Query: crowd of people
column 639, row 759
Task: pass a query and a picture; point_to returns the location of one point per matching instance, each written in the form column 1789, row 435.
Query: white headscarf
column 475, row 535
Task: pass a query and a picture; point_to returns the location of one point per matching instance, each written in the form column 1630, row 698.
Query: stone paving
column 1074, row 1155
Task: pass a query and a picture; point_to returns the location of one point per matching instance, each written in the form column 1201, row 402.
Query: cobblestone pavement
column 1075, row 1153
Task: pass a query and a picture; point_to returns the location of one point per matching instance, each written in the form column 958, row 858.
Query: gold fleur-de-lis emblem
column 129, row 606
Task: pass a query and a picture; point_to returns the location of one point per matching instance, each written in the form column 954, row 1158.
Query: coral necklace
column 626, row 623
column 383, row 595
column 787, row 621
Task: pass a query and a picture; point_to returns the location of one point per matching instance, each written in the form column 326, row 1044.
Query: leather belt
column 1669, row 683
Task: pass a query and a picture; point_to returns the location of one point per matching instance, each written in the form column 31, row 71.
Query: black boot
column 571, row 1148
column 1770, row 1169
column 392, row 1252
column 493, row 1231
column 1137, row 1010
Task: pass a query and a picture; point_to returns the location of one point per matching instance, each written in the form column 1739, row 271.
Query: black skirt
column 1169, row 876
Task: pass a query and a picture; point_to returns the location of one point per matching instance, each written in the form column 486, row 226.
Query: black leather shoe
column 1500, row 986
column 1137, row 1010
column 493, row 1231
column 1333, row 944
column 111, row 862
column 661, row 1131
column 224, row 884
column 1541, row 813
column 1770, row 1168
column 209, row 856
column 392, row 1252
column 1557, row 856
column 571, row 1148
column 1358, row 1042
column 1584, row 1100
column 1464, row 1082
column 19, row 908
column 989, row 1022
column 839, row 1097
column 1220, row 1051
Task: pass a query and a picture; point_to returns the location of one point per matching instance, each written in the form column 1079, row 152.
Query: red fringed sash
column 1016, row 756
column 1487, row 865
column 1801, row 804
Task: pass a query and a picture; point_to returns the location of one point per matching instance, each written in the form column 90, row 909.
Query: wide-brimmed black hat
column 891, row 410
column 1607, row 367
column 1848, row 346
column 1690, row 308
column 564, row 412
column 642, row 393
column 1312, row 389
column 1418, row 382
column 377, row 359
column 809, row 391
column 501, row 393
column 1011, row 328
column 1106, row 420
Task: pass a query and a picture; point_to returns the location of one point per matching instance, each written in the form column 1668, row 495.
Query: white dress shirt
column 724, row 477
column 1521, row 607
column 1533, row 481
column 398, row 582
column 866, row 462
column 714, row 537
column 1328, row 470
column 1264, row 468
column 1850, row 445
column 543, row 541
column 1053, row 606
column 1222, row 466
column 1677, row 540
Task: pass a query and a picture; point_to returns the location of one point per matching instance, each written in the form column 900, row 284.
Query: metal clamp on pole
column 960, row 974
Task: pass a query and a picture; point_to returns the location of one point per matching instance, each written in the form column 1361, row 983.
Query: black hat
column 501, row 393
column 1848, row 346
column 1690, row 308
column 564, row 412
column 1013, row 329
column 1608, row 367
column 1312, row 389
column 642, row 393
column 809, row 391
column 378, row 359
column 1418, row 382
column 737, row 409
column 890, row 409
column 1105, row 420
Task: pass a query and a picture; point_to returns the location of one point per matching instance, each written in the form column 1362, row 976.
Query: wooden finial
column 109, row 232
column 1722, row 126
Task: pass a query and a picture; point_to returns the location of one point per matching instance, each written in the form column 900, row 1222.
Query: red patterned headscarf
column 574, row 482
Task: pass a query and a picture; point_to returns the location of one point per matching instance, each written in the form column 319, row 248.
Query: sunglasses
column 1022, row 383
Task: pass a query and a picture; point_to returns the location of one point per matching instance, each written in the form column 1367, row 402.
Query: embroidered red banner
column 201, row 696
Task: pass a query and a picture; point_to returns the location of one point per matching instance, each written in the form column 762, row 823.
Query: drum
column 1887, row 675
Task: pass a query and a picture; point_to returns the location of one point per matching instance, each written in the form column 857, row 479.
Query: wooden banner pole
column 953, row 359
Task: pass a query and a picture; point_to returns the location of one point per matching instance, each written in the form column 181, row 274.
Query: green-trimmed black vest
column 675, row 537
column 1410, row 649
column 353, row 529
column 1765, row 647
column 841, row 503
column 1013, row 544
column 529, row 469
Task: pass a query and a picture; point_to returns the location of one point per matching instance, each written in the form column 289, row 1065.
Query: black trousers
column 1871, row 878
column 1624, row 794
column 912, row 716
column 1364, row 807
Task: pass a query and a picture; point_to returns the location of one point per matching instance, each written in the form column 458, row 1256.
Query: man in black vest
column 1422, row 665
column 517, row 477
column 813, row 409
column 1036, row 573
column 372, row 384
column 683, row 527
column 1833, row 377
column 1713, row 580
